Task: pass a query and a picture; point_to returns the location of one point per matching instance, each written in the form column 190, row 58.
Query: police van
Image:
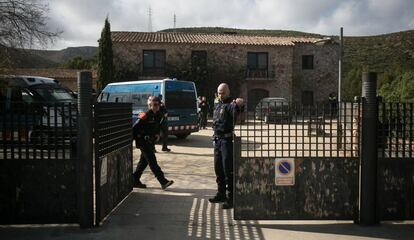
column 180, row 99
column 36, row 103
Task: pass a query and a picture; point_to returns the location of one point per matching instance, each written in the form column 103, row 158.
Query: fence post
column 236, row 162
column 369, row 157
column 84, row 150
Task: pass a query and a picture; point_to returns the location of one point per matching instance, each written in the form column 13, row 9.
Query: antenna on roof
column 149, row 19
column 175, row 21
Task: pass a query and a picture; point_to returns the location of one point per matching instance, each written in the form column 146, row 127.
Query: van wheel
column 182, row 136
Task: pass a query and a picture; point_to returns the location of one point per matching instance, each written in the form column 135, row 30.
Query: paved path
column 183, row 211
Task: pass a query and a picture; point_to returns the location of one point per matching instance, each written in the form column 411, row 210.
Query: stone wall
column 325, row 188
column 228, row 63
column 323, row 78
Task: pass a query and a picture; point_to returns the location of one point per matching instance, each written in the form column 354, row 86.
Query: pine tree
column 105, row 58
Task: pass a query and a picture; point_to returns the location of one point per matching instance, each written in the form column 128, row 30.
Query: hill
column 48, row 58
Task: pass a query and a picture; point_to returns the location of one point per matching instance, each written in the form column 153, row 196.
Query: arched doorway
column 254, row 96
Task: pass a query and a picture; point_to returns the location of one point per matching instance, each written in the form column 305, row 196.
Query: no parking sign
column 285, row 171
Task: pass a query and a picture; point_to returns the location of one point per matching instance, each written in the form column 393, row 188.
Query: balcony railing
column 257, row 74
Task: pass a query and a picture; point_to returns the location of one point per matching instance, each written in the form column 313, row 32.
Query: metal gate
column 113, row 155
column 302, row 164
column 310, row 162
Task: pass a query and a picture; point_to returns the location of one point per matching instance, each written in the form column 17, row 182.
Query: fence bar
column 12, row 132
column 404, row 122
column 411, row 131
column 26, row 126
column 48, row 130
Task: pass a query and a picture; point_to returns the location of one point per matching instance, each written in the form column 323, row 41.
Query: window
column 180, row 100
column 257, row 61
column 198, row 59
column 154, row 59
column 307, row 62
column 257, row 65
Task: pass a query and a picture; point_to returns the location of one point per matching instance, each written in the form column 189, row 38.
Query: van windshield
column 180, row 100
column 53, row 94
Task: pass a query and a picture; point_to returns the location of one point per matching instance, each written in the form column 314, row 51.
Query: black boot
column 228, row 204
column 166, row 149
column 137, row 182
column 220, row 197
column 167, row 184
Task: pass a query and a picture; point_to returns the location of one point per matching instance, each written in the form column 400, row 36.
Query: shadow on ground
column 187, row 214
column 389, row 230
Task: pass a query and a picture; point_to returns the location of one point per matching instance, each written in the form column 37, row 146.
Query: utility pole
column 341, row 51
column 149, row 20
column 175, row 21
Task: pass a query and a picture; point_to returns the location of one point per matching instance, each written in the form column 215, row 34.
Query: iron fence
column 113, row 124
column 113, row 155
column 282, row 129
column 37, row 130
column 395, row 130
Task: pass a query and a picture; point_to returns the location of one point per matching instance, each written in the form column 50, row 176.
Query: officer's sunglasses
column 155, row 103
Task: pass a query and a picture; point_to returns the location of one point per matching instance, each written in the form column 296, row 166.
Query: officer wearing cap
column 146, row 131
column 224, row 116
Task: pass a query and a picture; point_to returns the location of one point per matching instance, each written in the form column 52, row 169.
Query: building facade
column 302, row 70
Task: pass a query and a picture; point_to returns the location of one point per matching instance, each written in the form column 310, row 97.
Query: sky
column 82, row 20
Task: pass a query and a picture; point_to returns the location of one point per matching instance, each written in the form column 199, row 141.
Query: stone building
column 303, row 70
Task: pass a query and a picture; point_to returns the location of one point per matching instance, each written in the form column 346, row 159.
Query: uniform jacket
column 146, row 127
column 224, row 117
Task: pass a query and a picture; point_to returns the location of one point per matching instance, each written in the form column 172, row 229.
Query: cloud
column 82, row 20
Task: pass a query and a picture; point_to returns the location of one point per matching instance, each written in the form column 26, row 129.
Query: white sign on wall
column 285, row 171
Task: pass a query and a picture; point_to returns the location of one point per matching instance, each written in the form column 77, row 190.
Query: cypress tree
column 105, row 58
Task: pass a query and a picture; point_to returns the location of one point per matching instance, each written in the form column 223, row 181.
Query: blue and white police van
column 180, row 99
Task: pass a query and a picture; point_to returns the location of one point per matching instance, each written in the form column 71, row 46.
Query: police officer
column 146, row 132
column 333, row 104
column 223, row 126
column 203, row 112
column 164, row 126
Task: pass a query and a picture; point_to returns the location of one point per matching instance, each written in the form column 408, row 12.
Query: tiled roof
column 57, row 73
column 204, row 38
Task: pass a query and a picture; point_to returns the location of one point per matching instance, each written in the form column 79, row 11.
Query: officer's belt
column 225, row 135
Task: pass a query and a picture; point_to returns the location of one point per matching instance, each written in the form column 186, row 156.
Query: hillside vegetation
column 49, row 58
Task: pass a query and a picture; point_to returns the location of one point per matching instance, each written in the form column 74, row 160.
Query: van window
column 139, row 100
column 119, row 97
column 180, row 100
column 27, row 97
column 53, row 94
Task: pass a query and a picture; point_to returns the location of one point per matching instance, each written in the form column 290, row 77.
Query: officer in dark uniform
column 146, row 131
column 223, row 125
column 164, row 126
column 333, row 104
column 203, row 113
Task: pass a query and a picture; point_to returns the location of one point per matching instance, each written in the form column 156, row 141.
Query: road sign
column 285, row 171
